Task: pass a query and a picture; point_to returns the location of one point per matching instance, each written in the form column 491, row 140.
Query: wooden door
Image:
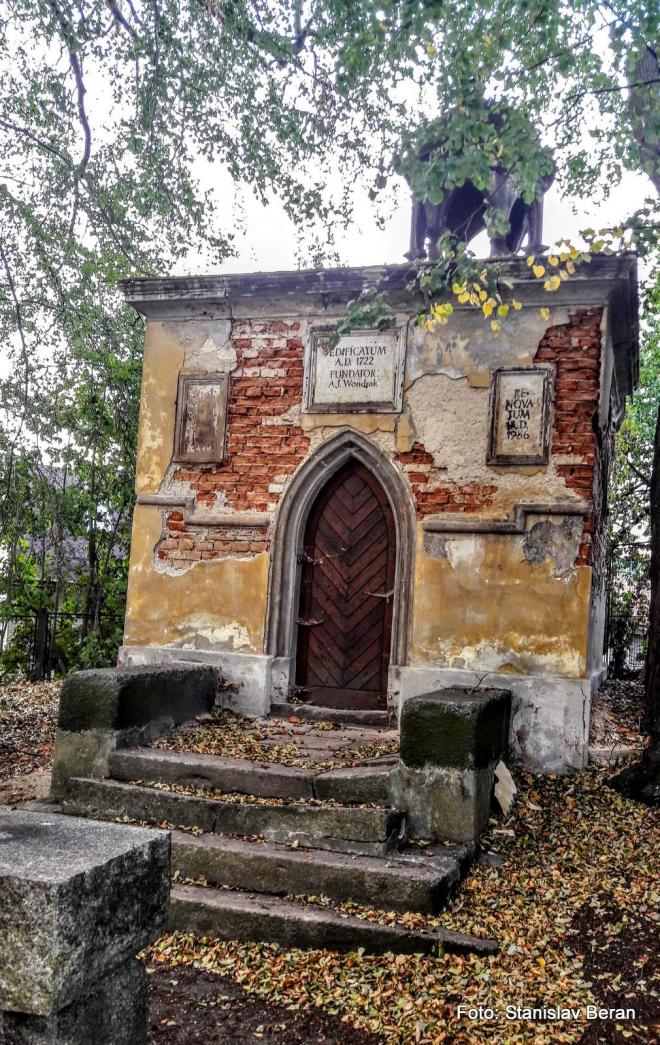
column 345, row 610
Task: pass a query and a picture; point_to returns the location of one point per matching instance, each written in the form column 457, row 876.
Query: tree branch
column 119, row 18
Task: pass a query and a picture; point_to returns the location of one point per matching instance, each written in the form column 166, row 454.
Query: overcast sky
column 270, row 241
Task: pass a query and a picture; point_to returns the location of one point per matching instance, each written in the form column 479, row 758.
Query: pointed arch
column 285, row 569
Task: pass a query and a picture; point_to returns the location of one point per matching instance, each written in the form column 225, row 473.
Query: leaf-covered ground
column 616, row 714
column 28, row 716
column 574, row 905
column 290, row 742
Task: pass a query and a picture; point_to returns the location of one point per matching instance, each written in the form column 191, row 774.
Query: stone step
column 369, row 830
column 343, row 716
column 263, row 779
column 228, row 915
column 418, row 884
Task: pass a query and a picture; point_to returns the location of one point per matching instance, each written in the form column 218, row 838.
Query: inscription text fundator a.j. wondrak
column 360, row 370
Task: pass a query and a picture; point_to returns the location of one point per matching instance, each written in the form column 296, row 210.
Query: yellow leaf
column 538, row 270
column 459, row 288
column 517, row 304
column 476, row 286
column 503, row 310
column 597, row 245
column 482, row 295
column 570, row 267
column 488, row 307
column 552, row 283
column 495, row 325
column 574, row 252
column 544, row 313
column 530, row 260
column 463, row 297
column 552, row 260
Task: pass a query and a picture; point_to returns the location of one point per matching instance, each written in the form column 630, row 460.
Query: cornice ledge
column 456, row 523
column 191, row 517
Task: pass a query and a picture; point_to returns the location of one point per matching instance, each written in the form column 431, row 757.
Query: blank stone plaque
column 520, row 409
column 361, row 372
column 201, row 413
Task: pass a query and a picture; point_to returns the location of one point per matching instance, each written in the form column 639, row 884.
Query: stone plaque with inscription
column 201, row 411
column 362, row 371
column 520, row 409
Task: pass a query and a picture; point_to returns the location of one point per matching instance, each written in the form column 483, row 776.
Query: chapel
column 348, row 522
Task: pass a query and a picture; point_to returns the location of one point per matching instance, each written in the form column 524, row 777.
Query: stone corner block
column 105, row 708
column 128, row 698
column 451, row 740
column 115, row 1012
column 78, row 899
column 455, row 727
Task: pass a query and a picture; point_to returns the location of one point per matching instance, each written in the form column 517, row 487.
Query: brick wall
column 180, row 546
column 574, row 348
column 431, row 496
column 264, row 447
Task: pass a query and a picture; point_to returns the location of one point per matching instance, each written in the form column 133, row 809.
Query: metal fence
column 627, row 623
column 43, row 643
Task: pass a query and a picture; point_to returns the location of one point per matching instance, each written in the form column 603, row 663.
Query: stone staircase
column 256, row 845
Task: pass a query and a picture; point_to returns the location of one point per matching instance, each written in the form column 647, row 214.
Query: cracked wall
column 498, row 601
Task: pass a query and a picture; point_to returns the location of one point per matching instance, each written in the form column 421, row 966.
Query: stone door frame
column 287, row 546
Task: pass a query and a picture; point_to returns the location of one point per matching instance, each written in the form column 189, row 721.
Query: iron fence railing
column 41, row 643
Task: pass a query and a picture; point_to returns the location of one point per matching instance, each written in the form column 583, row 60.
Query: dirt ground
column 190, row 1007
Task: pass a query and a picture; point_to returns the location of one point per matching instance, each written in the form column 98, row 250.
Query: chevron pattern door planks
column 345, row 615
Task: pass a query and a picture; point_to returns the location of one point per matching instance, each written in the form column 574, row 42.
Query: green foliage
column 108, row 111
column 629, row 495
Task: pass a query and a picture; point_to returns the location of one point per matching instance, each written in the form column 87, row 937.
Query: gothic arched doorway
column 346, row 593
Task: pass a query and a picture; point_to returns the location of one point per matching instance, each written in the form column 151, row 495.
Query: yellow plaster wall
column 220, row 604
column 163, row 359
column 485, row 608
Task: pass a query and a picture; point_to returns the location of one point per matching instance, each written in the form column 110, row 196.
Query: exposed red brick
column 574, row 348
column 256, row 451
column 431, row 496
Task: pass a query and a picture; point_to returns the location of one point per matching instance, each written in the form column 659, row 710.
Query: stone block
column 106, row 708
column 115, row 1012
column 455, row 728
column 451, row 741
column 125, row 698
column 77, row 899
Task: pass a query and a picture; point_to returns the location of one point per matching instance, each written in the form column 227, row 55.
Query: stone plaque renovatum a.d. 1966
column 201, row 413
column 360, row 371
column 520, row 414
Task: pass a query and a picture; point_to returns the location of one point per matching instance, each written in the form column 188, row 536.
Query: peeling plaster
column 232, row 636
column 435, row 545
column 292, row 416
column 451, row 419
column 206, row 343
column 559, row 542
column 365, row 423
column 467, row 345
column 483, row 606
column 224, row 604
column 465, row 553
